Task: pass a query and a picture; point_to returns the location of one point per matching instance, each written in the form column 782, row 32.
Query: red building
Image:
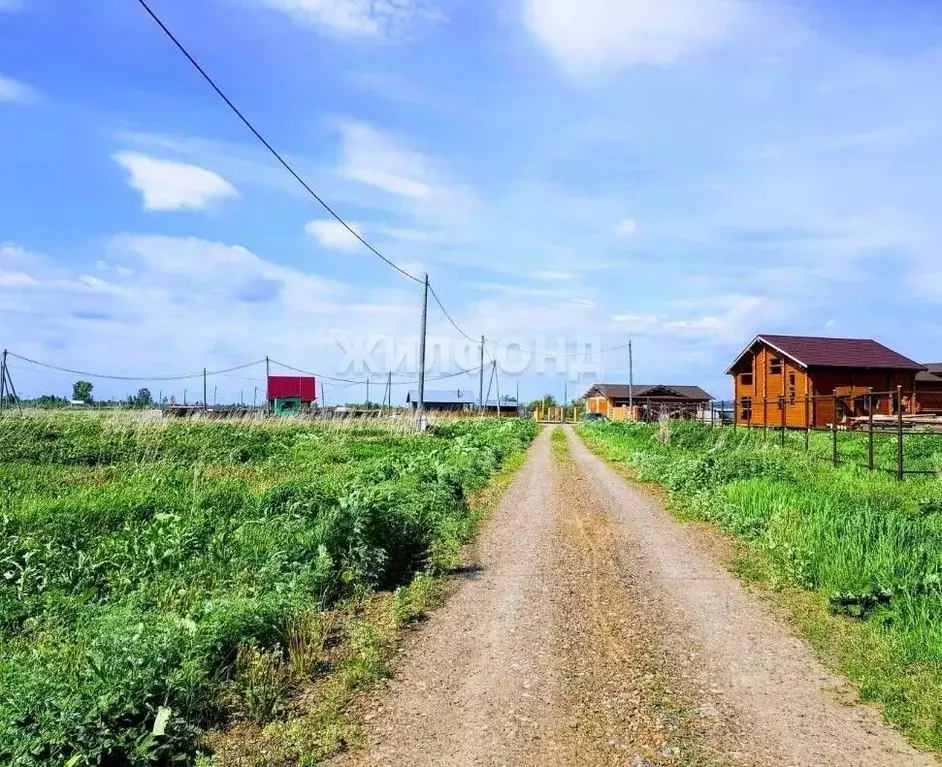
column 292, row 387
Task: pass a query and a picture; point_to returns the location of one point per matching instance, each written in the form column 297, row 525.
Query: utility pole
column 267, row 376
column 8, row 389
column 517, row 396
column 389, row 389
column 565, row 396
column 420, row 405
column 255, row 398
column 491, row 381
column 215, row 390
column 631, row 379
column 204, row 390
column 3, row 380
column 481, row 379
column 367, row 392
column 497, row 383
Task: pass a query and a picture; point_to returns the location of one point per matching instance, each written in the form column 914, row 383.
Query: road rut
column 595, row 630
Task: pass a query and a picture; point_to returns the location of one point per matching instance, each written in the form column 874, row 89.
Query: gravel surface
column 594, row 630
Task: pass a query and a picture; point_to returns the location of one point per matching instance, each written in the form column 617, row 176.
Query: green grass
column 865, row 548
column 163, row 567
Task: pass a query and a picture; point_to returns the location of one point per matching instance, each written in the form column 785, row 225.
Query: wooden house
column 929, row 389
column 649, row 400
column 793, row 380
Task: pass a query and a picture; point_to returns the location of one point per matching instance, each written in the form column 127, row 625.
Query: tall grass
column 149, row 566
column 867, row 544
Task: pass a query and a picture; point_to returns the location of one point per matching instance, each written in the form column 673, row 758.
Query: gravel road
column 595, row 630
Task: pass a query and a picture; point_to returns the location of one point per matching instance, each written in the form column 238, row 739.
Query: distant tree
column 547, row 400
column 507, row 399
column 50, row 400
column 82, row 390
column 143, row 398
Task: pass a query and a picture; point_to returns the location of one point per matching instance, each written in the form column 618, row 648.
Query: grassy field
column 859, row 554
column 159, row 579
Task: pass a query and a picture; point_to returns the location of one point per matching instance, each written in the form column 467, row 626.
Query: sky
column 571, row 174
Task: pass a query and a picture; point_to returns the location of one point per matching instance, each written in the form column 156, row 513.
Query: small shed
column 288, row 395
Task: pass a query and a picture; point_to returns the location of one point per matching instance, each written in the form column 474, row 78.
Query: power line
column 448, row 316
column 182, row 377
column 317, row 375
column 556, row 354
column 268, row 146
column 354, row 381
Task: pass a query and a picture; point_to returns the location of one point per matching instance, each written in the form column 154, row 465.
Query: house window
column 791, row 389
column 775, row 366
column 746, row 379
column 746, row 409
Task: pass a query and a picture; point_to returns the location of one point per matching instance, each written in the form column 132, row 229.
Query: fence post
column 781, row 403
column 899, row 433
column 807, row 422
column 834, row 431
column 870, row 429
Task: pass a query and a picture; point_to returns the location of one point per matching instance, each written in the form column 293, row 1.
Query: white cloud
column 168, row 185
column 626, row 226
column 361, row 18
column 15, row 90
column 594, row 35
column 733, row 317
column 375, row 158
column 334, row 235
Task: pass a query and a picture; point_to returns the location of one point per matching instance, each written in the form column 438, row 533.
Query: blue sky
column 687, row 173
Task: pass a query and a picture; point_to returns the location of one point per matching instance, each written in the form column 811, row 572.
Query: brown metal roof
column 814, row 351
column 931, row 375
column 623, row 391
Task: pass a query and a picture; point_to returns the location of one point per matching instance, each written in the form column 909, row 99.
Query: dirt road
column 595, row 630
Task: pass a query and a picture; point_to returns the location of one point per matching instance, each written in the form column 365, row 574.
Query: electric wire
column 106, row 376
column 274, row 152
column 448, row 316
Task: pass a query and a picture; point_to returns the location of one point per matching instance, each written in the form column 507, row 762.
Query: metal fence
column 877, row 431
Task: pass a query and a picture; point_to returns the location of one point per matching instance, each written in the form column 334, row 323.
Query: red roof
column 813, row 351
column 280, row 387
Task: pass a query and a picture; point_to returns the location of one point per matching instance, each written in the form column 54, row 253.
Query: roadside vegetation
column 858, row 555
column 162, row 580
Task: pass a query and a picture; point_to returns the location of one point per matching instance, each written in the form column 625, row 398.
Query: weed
column 262, row 679
column 305, row 636
column 413, row 602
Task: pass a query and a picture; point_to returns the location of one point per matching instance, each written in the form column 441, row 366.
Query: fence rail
column 880, row 420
